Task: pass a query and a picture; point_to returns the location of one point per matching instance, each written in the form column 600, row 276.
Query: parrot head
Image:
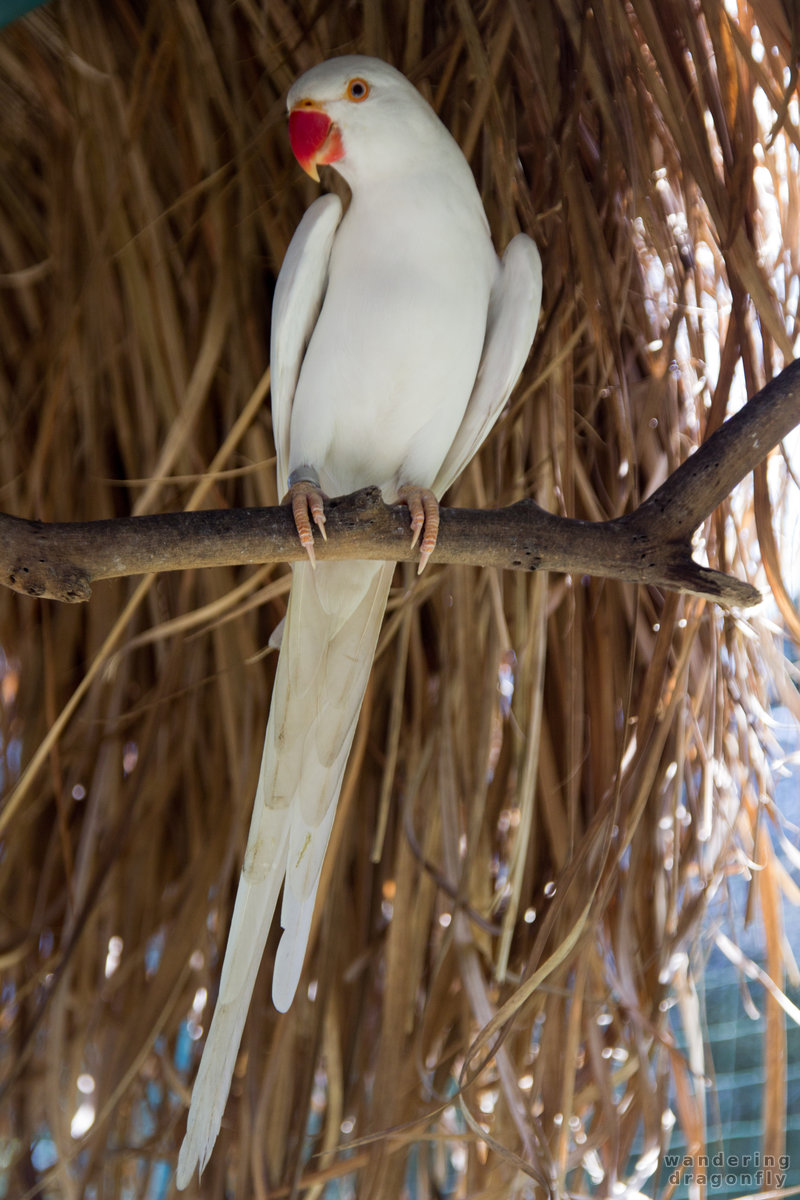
column 359, row 115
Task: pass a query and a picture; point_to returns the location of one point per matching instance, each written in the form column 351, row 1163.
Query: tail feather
column 239, row 972
column 296, row 915
column 327, row 647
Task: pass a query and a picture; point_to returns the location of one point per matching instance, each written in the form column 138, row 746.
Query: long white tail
column 332, row 626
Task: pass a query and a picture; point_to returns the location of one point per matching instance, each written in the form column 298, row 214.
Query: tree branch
column 651, row 545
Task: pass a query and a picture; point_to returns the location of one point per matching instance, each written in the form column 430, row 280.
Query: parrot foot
column 307, row 500
column 424, row 509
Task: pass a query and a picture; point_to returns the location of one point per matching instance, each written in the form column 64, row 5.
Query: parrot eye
column 357, row 89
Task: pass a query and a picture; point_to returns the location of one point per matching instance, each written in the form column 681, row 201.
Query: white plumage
column 397, row 337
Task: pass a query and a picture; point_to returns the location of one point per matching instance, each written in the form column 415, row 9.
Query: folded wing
column 513, row 316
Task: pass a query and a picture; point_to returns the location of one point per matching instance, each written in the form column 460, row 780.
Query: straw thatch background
column 545, row 854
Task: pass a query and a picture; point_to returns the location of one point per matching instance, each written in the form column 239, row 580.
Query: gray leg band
column 304, row 474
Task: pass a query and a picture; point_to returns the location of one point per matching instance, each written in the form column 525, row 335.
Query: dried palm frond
column 553, row 779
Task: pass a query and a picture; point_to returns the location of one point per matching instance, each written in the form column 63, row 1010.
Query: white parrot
column 397, row 337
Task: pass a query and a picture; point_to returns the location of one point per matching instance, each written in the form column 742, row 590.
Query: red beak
column 313, row 138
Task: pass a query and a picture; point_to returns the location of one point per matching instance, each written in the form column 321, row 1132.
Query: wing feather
column 511, row 323
column 296, row 304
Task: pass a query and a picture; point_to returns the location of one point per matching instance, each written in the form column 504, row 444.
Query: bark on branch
column 651, row 545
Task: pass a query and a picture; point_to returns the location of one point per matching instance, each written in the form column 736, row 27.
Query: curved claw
column 424, row 509
column 307, row 500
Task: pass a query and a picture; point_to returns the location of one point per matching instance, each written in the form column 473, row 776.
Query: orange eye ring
column 357, row 90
